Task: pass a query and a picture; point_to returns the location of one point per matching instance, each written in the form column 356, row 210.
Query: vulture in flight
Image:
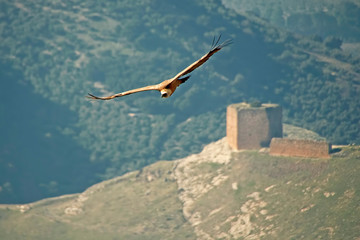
column 168, row 87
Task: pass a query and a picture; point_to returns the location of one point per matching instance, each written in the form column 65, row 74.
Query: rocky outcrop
column 192, row 185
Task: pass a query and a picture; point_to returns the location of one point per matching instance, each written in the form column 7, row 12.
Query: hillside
column 52, row 53
column 323, row 18
column 216, row 194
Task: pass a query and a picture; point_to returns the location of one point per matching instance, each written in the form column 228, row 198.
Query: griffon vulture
column 168, row 87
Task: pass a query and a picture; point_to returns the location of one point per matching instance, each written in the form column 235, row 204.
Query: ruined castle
column 255, row 127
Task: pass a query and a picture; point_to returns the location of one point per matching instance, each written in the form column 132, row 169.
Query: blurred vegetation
column 322, row 17
column 63, row 50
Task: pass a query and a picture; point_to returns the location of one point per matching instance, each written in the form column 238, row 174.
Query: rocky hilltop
column 216, row 194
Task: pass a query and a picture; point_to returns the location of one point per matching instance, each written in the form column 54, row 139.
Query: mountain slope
column 132, row 206
column 216, row 194
column 324, row 18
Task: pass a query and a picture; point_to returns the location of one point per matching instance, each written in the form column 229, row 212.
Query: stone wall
column 300, row 148
column 252, row 127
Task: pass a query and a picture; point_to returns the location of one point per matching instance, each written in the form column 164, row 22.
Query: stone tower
column 250, row 127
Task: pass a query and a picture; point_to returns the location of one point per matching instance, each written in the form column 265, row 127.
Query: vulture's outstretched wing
column 214, row 48
column 147, row 88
